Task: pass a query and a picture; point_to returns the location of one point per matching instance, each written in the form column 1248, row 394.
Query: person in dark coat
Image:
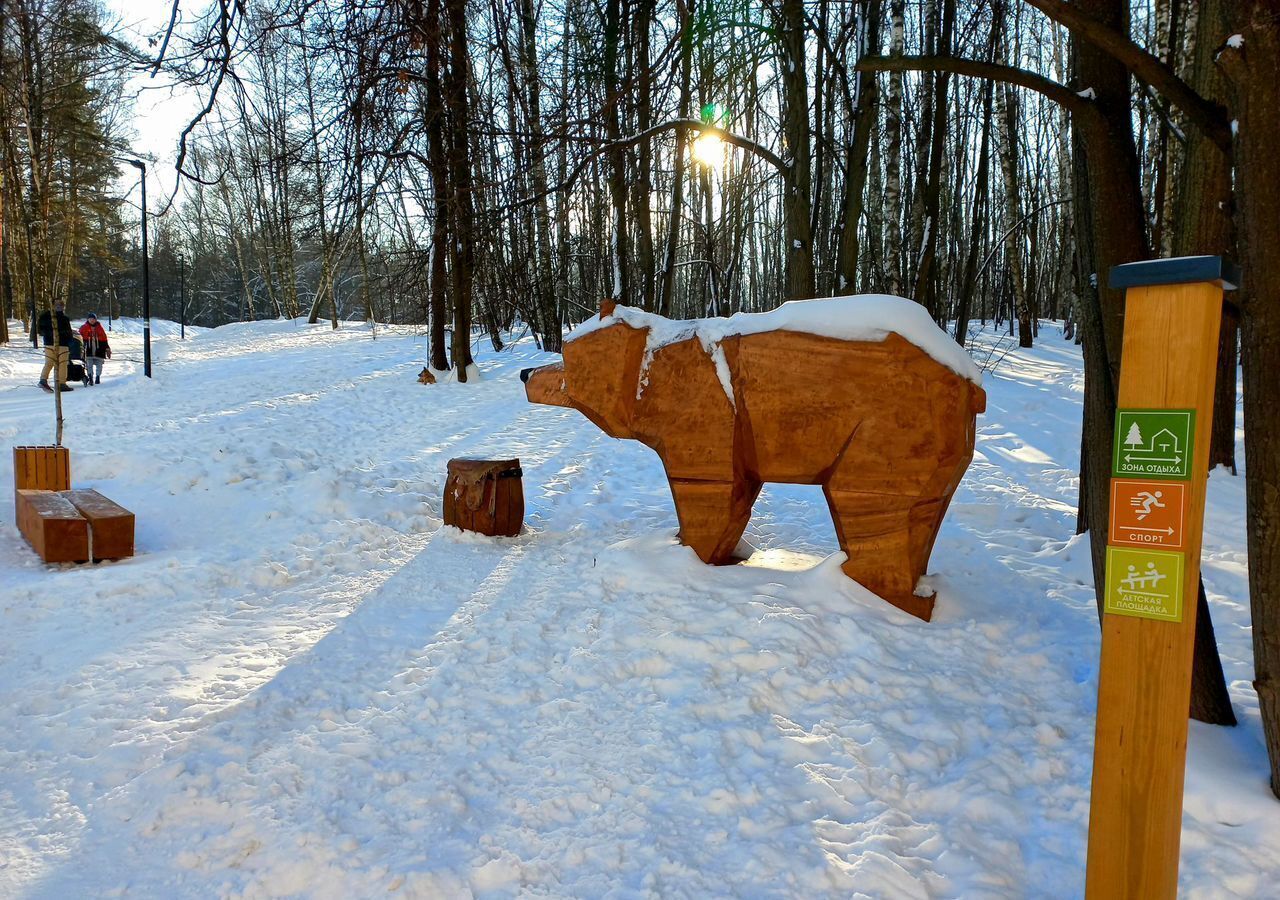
column 96, row 348
column 54, row 354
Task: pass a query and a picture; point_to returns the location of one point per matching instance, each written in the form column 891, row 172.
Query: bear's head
column 599, row 377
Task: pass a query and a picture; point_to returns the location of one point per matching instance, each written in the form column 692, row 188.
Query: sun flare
column 709, row 150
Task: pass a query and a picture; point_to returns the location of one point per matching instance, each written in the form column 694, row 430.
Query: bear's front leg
column 713, row 515
column 885, row 540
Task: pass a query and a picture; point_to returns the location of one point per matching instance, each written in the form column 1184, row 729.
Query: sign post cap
column 1176, row 270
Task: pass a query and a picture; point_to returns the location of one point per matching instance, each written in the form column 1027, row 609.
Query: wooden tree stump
column 882, row 425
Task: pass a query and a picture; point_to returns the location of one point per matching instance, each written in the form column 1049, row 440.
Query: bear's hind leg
column 713, row 515
column 875, row 532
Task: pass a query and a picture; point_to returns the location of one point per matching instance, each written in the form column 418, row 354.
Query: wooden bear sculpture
column 827, row 392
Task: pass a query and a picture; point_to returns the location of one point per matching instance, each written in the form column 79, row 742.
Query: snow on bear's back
column 860, row 317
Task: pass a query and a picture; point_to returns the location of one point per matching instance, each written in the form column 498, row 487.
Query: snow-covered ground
column 303, row 685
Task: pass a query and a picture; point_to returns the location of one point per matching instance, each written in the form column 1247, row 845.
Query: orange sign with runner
column 1147, row 513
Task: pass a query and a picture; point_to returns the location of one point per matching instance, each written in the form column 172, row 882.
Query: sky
column 160, row 111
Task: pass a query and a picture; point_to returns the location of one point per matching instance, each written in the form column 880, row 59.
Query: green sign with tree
column 1154, row 443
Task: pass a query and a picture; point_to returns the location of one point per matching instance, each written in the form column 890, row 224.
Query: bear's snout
column 545, row 385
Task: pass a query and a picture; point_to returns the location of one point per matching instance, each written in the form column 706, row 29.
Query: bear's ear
column 607, row 306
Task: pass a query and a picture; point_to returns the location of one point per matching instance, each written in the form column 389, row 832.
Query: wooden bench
column 53, row 526
column 74, row 526
column 63, row 525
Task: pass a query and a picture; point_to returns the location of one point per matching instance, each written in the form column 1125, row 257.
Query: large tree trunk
column 978, row 224
column 1008, row 121
column 328, row 260
column 864, row 115
column 564, row 263
column 1204, row 223
column 925, row 280
column 6, row 295
column 1115, row 219
column 619, row 287
column 1204, row 226
column 439, row 288
column 462, row 216
column 1222, row 439
column 545, row 299
column 666, row 284
column 643, row 184
column 1109, row 211
column 433, row 114
column 797, row 209
column 1068, row 270
column 1255, row 91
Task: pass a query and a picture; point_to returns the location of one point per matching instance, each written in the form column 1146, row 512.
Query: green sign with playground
column 1145, row 584
column 1154, row 443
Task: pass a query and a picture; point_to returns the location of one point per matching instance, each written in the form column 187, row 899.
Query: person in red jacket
column 96, row 348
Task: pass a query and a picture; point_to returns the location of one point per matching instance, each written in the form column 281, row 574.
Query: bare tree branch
column 1058, row 93
column 728, row 137
column 1209, row 117
column 164, row 45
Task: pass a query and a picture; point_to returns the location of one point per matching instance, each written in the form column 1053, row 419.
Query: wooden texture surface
column 485, row 496
column 546, row 386
column 884, row 428
column 52, row 526
column 1135, row 823
column 111, row 526
column 41, row 469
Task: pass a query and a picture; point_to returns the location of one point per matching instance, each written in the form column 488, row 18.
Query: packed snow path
column 304, row 686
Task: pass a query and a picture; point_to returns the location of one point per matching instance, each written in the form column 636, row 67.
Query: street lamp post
column 182, row 295
column 146, row 270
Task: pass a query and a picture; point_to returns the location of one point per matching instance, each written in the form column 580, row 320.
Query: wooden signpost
column 1159, row 473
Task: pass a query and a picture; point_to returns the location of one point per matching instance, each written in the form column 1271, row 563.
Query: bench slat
column 111, row 523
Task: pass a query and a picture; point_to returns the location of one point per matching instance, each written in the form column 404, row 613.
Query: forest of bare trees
column 485, row 168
